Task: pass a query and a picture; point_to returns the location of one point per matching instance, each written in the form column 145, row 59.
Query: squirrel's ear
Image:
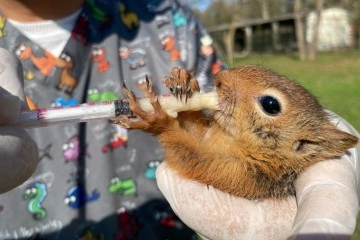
column 329, row 142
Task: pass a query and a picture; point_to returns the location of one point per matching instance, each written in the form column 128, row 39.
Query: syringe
column 43, row 117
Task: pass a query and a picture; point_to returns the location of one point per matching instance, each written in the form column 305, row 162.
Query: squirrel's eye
column 270, row 105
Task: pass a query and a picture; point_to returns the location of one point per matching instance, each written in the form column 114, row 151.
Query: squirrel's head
column 274, row 117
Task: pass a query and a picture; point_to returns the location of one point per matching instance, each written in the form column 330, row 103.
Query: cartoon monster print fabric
column 96, row 180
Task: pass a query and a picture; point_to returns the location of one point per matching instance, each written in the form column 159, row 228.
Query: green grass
column 334, row 78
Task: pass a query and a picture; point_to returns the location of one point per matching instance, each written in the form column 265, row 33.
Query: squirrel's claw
column 153, row 122
column 181, row 84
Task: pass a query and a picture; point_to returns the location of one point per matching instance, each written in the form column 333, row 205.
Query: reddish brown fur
column 239, row 149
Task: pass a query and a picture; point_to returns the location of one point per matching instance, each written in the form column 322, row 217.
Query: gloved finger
column 327, row 195
column 10, row 106
column 18, row 151
column 218, row 215
column 19, row 157
column 12, row 97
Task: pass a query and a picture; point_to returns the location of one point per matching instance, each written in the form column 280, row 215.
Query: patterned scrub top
column 96, row 180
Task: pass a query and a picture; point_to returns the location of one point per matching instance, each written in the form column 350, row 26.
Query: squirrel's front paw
column 182, row 84
column 154, row 122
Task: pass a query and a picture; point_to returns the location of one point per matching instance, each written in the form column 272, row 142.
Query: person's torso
column 97, row 179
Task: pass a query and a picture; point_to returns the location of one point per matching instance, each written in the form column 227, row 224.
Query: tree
column 353, row 6
column 307, row 50
column 229, row 36
column 219, row 12
column 299, row 29
column 312, row 46
column 265, row 9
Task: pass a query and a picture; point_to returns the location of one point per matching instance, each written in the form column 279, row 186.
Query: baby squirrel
column 267, row 131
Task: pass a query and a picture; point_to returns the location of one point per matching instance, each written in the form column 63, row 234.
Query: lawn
column 334, row 78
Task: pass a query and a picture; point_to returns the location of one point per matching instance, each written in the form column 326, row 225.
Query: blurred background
column 315, row 42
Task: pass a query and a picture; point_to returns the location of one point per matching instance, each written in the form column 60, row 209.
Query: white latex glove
column 326, row 205
column 18, row 151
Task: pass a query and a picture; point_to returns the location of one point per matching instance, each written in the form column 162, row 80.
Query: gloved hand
column 18, row 151
column 326, row 204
